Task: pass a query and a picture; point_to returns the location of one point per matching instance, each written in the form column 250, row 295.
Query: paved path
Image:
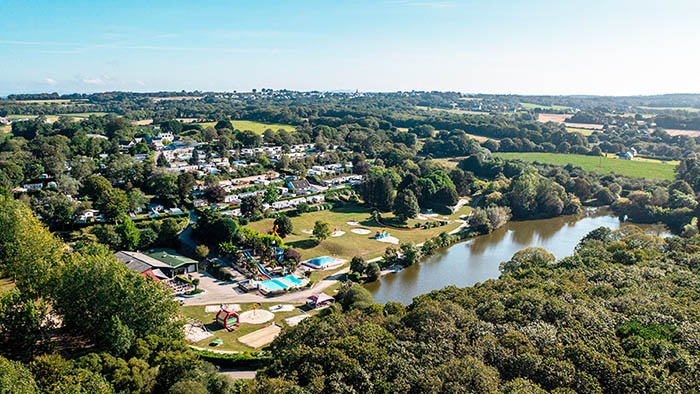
column 227, row 295
column 239, row 373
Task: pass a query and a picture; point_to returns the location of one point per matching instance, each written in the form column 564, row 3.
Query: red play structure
column 227, row 319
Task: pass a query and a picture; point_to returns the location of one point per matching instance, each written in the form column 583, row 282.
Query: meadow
column 580, row 130
column 633, row 168
column 256, row 127
column 350, row 244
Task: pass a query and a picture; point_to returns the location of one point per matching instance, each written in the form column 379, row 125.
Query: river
column 477, row 259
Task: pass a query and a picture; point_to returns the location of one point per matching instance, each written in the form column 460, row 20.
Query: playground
column 347, row 218
column 252, row 318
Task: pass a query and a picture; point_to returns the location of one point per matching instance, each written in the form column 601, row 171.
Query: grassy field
column 631, row 168
column 256, row 127
column 230, row 339
column 350, row 244
column 689, row 109
column 672, row 162
column 579, row 130
column 6, row 284
column 535, row 106
column 450, row 162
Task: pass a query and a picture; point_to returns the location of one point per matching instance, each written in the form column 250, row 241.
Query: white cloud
column 141, row 83
column 50, row 81
column 93, row 81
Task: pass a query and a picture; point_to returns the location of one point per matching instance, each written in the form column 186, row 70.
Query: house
column 299, row 185
column 198, row 203
column 626, row 156
column 33, row 186
column 316, row 199
column 89, row 215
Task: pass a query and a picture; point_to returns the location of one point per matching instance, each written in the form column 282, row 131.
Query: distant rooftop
column 169, row 257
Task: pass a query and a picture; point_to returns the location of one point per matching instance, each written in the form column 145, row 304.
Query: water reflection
column 477, row 260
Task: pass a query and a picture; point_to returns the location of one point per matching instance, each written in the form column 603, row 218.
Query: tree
column 185, row 183
column 354, row 297
column 136, row 199
column 406, row 205
column 195, row 283
column 378, row 191
column 216, row 194
column 479, row 221
column 162, row 161
column 201, row 252
column 532, row 257
column 271, row 195
column 102, row 299
column 322, row 230
column 16, row 378
column 358, row 264
column 129, row 233
column 170, row 229
column 113, row 204
column 284, row 226
column 251, row 206
column 373, row 271
column 303, row 208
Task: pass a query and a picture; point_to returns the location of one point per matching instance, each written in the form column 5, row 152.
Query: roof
column 319, row 298
column 168, row 257
column 300, row 184
column 139, row 261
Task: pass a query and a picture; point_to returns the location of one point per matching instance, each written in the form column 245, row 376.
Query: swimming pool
column 323, row 262
column 281, row 283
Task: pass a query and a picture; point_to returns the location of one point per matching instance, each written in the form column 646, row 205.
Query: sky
column 613, row 47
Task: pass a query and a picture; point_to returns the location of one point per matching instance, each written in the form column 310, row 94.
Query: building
column 299, row 185
column 164, row 263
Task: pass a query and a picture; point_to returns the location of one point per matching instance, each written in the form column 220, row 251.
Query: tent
column 320, row 299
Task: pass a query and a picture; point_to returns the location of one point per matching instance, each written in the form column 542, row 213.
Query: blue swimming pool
column 281, row 283
column 322, row 262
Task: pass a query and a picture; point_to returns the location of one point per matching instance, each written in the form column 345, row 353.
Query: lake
column 477, row 259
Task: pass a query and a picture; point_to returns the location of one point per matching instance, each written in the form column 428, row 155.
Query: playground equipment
column 263, row 272
column 278, row 252
column 227, row 319
column 381, row 234
column 274, row 231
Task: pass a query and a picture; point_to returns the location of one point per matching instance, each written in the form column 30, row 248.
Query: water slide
column 262, row 269
column 278, row 252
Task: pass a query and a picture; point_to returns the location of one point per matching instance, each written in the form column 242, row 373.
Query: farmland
column 544, row 107
column 641, row 169
column 580, row 130
column 689, row 109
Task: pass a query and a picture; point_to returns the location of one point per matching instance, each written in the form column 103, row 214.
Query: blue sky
column 528, row 46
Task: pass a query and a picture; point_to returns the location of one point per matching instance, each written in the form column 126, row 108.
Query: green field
column 256, row 127
column 535, row 106
column 641, row 169
column 580, row 130
column 689, row 109
column 350, row 244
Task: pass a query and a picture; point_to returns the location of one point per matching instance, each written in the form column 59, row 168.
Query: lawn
column 450, row 162
column 230, row 339
column 350, row 244
column 641, row 169
column 535, row 106
column 257, row 127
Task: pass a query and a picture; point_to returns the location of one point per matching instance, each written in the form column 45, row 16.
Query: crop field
column 633, row 168
column 552, row 107
column 350, row 244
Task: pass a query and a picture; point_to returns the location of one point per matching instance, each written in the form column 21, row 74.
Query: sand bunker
column 262, row 336
column 216, row 308
column 294, row 320
column 257, row 316
column 390, row 240
column 352, row 223
column 307, row 231
column 281, row 308
column 338, row 233
column 361, row 231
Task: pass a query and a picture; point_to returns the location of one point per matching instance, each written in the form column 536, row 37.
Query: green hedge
column 235, row 360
